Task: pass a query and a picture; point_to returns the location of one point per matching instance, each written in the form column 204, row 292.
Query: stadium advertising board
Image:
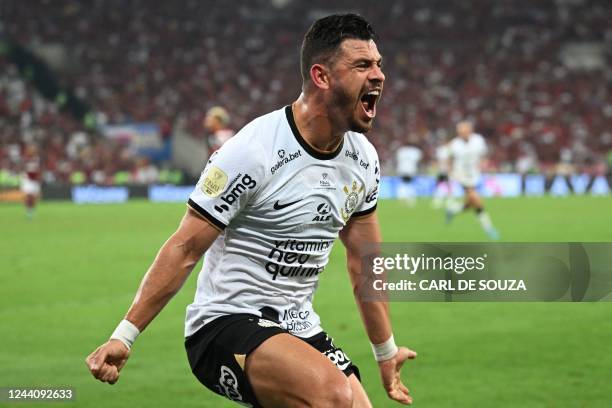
column 506, row 185
column 493, row 185
column 96, row 194
column 168, row 193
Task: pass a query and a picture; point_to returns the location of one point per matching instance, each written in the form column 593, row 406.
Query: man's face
column 211, row 123
column 465, row 129
column 356, row 84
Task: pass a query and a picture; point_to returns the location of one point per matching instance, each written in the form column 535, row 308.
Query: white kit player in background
column 466, row 152
column 443, row 191
column 407, row 160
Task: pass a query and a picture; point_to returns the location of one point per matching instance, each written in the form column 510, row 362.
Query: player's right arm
column 167, row 273
column 230, row 180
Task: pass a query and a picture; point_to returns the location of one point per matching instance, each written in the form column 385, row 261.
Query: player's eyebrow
column 368, row 61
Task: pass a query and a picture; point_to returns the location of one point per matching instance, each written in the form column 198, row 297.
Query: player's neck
column 312, row 120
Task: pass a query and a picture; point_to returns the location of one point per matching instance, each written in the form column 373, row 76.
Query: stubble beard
column 343, row 106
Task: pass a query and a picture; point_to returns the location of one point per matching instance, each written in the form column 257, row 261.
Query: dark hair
column 325, row 36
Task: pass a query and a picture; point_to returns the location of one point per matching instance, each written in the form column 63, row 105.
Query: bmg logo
column 247, row 182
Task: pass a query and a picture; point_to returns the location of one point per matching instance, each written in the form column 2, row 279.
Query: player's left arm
column 375, row 314
column 450, row 158
column 483, row 152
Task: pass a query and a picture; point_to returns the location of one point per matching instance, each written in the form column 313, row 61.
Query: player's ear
column 319, row 76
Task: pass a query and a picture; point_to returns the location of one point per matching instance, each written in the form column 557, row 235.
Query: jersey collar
column 300, row 139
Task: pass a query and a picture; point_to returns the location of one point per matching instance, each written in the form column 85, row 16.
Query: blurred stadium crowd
column 534, row 76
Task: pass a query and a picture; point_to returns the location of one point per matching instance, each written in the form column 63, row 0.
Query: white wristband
column 385, row 351
column 126, row 332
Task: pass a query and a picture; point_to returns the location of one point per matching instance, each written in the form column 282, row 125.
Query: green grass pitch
column 67, row 277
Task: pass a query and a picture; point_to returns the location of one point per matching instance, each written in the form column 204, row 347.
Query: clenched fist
column 106, row 361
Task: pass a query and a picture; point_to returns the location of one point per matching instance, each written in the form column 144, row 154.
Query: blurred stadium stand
column 535, row 76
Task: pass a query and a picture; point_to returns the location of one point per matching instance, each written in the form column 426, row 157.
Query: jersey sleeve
column 483, row 147
column 370, row 199
column 451, row 149
column 231, row 179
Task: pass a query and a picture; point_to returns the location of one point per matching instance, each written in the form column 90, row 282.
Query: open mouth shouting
column 368, row 102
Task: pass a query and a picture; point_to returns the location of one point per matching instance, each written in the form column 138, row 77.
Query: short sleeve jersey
column 407, row 160
column 280, row 205
column 466, row 157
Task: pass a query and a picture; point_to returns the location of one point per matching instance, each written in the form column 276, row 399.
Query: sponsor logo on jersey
column 297, row 326
column 355, row 156
column 288, row 258
column 323, row 213
column 372, row 196
column 351, row 201
column 284, row 159
column 295, row 314
column 214, row 182
column 235, row 191
column 296, row 321
column 234, row 180
column 352, row 154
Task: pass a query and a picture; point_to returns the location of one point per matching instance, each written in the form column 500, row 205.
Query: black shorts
column 218, row 350
column 442, row 177
column 406, row 179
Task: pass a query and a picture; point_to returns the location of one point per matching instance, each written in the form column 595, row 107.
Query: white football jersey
column 466, row 156
column 407, row 160
column 280, row 205
column 442, row 155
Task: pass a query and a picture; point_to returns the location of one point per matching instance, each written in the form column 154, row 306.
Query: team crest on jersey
column 214, row 182
column 351, row 201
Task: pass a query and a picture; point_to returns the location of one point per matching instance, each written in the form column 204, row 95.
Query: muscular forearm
column 375, row 315
column 162, row 281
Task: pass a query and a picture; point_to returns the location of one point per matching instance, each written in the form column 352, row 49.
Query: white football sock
column 485, row 221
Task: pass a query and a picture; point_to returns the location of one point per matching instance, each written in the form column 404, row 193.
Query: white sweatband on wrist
column 126, row 332
column 385, row 351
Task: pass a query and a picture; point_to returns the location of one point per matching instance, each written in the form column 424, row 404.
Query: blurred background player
column 443, row 191
column 407, row 164
column 30, row 179
column 465, row 153
column 217, row 122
